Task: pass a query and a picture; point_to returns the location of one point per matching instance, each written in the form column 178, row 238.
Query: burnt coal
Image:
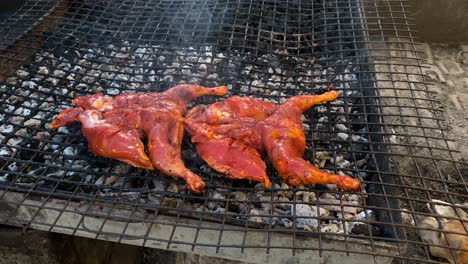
column 270, row 50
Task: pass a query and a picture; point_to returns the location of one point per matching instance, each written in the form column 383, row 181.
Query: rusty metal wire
column 387, row 129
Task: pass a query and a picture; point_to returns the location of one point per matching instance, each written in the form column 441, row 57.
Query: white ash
column 111, row 180
column 12, row 167
column 131, row 70
column 52, row 80
column 351, row 197
column 260, row 216
column 14, row 141
column 113, row 91
column 29, row 84
column 286, row 222
column 32, row 123
column 88, row 179
column 100, row 180
column 43, row 70
column 5, row 151
column 331, row 228
column 304, row 215
column 70, row 151
column 343, row 163
column 22, row 73
column 21, row 132
column 341, row 127
column 63, row 130
column 6, row 129
column 12, row 80
column 9, row 109
column 343, row 136
column 219, row 210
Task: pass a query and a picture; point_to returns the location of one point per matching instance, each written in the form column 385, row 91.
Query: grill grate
column 386, row 129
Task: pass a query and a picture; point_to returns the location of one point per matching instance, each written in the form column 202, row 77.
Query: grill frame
column 380, row 180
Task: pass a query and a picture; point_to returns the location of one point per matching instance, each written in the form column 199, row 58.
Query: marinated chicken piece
column 114, row 127
column 113, row 141
column 226, row 155
column 234, row 117
column 284, row 141
column 267, row 128
column 232, row 110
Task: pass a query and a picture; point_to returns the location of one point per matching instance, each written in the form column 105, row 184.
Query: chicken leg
column 284, row 141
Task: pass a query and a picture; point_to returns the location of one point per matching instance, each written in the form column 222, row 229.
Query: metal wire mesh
column 386, row 129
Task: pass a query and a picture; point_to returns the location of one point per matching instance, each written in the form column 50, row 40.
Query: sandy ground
column 449, row 73
column 423, row 118
column 446, row 70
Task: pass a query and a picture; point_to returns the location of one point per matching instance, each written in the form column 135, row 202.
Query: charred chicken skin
column 231, row 136
column 115, row 126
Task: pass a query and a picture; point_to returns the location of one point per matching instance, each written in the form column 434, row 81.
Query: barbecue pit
column 385, row 129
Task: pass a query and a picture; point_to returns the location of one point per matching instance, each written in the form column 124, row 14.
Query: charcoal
column 271, row 56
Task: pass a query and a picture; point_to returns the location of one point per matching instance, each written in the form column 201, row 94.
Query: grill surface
column 386, row 129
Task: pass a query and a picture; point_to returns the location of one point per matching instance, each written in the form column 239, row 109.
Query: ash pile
column 269, row 51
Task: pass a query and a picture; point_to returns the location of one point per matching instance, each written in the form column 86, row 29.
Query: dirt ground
column 446, row 68
column 449, row 72
column 428, row 123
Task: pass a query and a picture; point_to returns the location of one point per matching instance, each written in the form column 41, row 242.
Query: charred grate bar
column 386, row 129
